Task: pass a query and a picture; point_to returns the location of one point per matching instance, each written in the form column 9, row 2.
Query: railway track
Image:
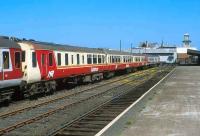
column 16, row 119
column 92, row 122
column 10, row 113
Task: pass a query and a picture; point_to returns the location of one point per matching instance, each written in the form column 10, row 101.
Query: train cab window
column 66, row 59
column 6, row 64
column 94, row 59
column 59, row 59
column 34, row 60
column 83, row 59
column 78, row 59
column 23, row 56
column 17, row 60
column 50, row 59
column 99, row 59
column 72, row 59
column 89, row 59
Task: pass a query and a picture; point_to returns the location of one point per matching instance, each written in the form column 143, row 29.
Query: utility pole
column 120, row 45
column 131, row 47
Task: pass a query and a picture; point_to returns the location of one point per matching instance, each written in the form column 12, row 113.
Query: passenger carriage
column 10, row 67
column 32, row 67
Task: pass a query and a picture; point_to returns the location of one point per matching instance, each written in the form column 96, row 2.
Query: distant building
column 170, row 54
column 166, row 54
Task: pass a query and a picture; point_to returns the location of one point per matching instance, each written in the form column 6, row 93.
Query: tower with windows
column 186, row 40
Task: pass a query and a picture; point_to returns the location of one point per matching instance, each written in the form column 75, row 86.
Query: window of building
column 17, row 60
column 23, row 56
column 110, row 59
column 6, row 64
column 34, row 60
column 66, row 59
column 78, row 59
column 50, row 59
column 59, row 59
column 89, row 59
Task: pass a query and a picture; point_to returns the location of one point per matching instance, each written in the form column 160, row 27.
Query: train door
column 1, row 66
column 44, row 64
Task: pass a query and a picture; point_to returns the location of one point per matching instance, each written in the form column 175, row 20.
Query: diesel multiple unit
column 29, row 67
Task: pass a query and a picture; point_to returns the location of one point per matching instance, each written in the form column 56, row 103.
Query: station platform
column 173, row 110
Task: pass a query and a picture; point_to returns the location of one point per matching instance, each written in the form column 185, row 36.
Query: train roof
column 66, row 47
column 6, row 42
column 63, row 47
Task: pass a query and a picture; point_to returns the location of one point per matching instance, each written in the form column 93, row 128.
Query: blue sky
column 101, row 23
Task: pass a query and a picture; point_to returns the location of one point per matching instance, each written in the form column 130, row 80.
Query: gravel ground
column 47, row 125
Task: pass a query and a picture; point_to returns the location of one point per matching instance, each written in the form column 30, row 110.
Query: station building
column 172, row 54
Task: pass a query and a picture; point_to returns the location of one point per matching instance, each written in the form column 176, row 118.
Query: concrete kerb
column 116, row 126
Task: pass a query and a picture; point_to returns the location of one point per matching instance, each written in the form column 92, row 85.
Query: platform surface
column 174, row 110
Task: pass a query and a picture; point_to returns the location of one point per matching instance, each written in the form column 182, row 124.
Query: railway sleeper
column 81, row 129
column 76, row 134
column 6, row 97
column 88, row 126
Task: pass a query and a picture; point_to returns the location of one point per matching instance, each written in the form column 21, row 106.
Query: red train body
column 31, row 67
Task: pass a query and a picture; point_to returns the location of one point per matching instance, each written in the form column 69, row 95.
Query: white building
column 171, row 54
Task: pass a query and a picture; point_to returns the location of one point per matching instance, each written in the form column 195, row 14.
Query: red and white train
column 30, row 67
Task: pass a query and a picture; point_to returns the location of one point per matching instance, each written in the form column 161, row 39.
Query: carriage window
column 17, row 60
column 113, row 59
column 103, row 59
column 94, row 59
column 83, row 59
column 66, row 59
column 5, row 60
column 118, row 59
column 59, row 59
column 78, row 59
column 99, row 59
column 34, row 62
column 0, row 61
column 89, row 59
column 43, row 59
column 72, row 59
column 50, row 59
column 23, row 56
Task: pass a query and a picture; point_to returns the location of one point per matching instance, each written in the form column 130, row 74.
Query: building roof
column 193, row 52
